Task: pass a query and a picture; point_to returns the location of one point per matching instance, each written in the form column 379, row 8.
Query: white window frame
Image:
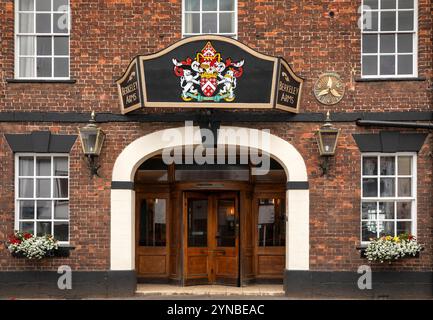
column 396, row 198
column 378, row 54
column 17, row 34
column 52, row 177
column 235, row 12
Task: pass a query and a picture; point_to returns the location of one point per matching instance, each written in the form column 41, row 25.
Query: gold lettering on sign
column 130, row 93
column 288, row 92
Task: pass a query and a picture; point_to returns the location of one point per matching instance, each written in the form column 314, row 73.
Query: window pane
column 60, row 23
column 43, row 5
column 27, row 227
column 27, row 45
column 404, row 43
column 405, row 20
column 61, row 188
column 405, row 4
column 373, row 4
column 61, row 67
column 404, row 165
column 227, row 22
column 369, row 210
column 387, row 21
column 44, row 210
column 370, row 22
column 226, row 215
column 387, row 187
column 43, row 23
column 197, row 223
column 271, row 222
column 387, row 43
column 26, row 22
column 26, row 166
column 44, row 67
column 61, row 209
column 153, row 222
column 386, row 210
column 61, row 230
column 404, row 210
column 369, row 43
column 25, row 188
column 26, row 5
column 369, row 166
column 369, row 65
column 388, row 4
column 209, row 23
column 27, row 67
column 387, row 65
column 404, row 187
column 405, row 64
column 61, row 46
column 43, row 188
column 60, row 5
column 387, row 166
column 192, row 23
column 227, row 5
column 43, row 228
column 404, row 227
column 61, row 166
column 27, row 209
column 44, row 46
column 369, row 230
column 369, row 187
column 192, row 5
column 209, row 5
column 43, row 166
column 386, row 228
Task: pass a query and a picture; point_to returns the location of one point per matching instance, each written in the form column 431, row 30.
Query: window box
column 61, row 252
column 390, row 249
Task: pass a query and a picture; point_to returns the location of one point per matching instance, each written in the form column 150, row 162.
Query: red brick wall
column 106, row 35
column 334, row 199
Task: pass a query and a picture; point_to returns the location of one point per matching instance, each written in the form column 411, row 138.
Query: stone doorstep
column 209, row 290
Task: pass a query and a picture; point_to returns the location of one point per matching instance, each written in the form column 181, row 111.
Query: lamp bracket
column 93, row 166
column 324, row 165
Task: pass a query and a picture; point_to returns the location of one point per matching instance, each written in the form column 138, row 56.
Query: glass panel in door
column 226, row 233
column 197, row 222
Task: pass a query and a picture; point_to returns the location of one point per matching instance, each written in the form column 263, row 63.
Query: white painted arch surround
column 122, row 247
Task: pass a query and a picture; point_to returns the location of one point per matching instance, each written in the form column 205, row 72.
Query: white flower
column 388, row 250
column 34, row 247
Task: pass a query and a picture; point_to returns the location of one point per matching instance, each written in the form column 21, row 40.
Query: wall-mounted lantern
column 327, row 138
column 92, row 138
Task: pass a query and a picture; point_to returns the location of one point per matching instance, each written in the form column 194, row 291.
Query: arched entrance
column 123, row 194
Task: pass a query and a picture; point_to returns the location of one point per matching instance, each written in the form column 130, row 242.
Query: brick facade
column 106, row 35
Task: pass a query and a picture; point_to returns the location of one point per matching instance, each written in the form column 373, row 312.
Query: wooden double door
column 211, row 235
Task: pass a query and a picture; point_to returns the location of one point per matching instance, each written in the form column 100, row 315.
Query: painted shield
column 208, row 86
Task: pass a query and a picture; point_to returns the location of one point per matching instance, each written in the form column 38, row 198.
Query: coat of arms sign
column 207, row 77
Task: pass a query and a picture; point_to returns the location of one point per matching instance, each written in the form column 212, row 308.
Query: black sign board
column 289, row 88
column 130, row 88
column 208, row 72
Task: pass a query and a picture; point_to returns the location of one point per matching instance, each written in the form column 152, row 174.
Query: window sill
column 389, row 79
column 69, row 81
